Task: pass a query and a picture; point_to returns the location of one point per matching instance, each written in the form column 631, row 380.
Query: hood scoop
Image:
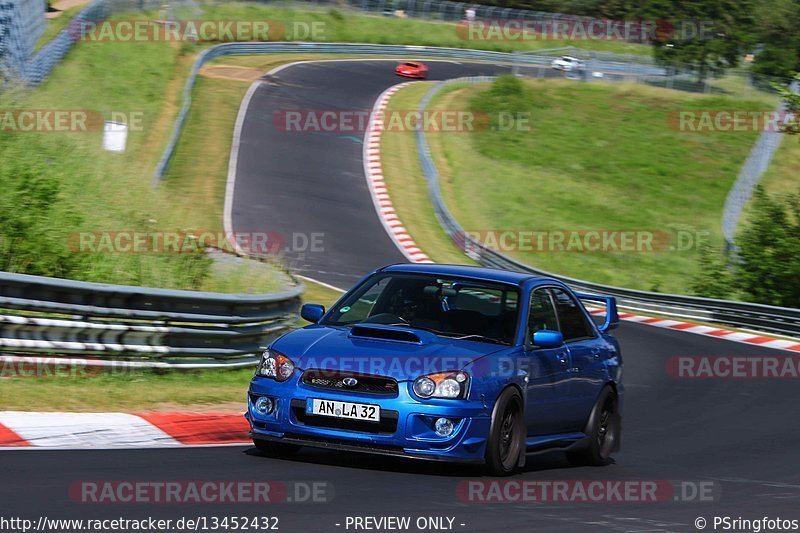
column 384, row 333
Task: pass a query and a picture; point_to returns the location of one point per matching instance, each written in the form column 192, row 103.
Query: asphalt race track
column 740, row 435
column 312, row 182
column 739, row 438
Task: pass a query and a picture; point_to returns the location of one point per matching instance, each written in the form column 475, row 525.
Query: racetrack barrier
column 148, row 327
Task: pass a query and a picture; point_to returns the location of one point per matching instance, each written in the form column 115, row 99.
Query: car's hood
column 337, row 348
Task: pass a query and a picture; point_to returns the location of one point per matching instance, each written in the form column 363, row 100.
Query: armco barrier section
column 739, row 314
column 142, row 326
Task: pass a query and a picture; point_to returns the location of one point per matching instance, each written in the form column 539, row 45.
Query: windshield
column 450, row 307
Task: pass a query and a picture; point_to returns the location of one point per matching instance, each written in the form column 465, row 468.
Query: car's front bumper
column 415, row 75
column 406, row 427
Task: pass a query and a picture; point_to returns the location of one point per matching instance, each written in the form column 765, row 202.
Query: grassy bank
column 597, row 157
column 782, row 175
column 346, row 25
column 82, row 188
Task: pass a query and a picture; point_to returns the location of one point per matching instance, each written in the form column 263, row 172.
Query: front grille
column 335, row 380
column 386, row 426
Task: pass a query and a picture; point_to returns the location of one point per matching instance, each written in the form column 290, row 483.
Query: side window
column 490, row 302
column 362, row 308
column 571, row 317
column 542, row 315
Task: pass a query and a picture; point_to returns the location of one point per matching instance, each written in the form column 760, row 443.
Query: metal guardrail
column 750, row 175
column 154, row 327
column 779, row 320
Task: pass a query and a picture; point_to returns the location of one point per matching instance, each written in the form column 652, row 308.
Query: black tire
column 603, row 432
column 275, row 449
column 507, row 434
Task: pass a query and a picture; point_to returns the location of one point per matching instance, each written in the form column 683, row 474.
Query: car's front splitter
column 375, row 449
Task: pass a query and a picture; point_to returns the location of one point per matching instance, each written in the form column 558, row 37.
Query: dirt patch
column 231, row 72
column 62, row 5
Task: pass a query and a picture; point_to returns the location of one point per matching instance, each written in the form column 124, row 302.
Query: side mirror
column 545, row 338
column 312, row 312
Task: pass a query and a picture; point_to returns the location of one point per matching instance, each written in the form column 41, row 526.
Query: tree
column 791, row 97
column 707, row 37
column 768, row 270
column 778, row 30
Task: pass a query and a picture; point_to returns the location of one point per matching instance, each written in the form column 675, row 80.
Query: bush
column 34, row 217
column 713, row 279
column 768, row 270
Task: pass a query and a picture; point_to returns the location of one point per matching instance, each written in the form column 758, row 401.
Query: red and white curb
column 377, row 186
column 120, row 430
column 709, row 331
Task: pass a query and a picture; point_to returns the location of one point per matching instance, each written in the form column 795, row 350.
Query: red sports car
column 412, row 69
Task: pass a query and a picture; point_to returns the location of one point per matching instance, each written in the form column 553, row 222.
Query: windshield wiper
column 483, row 338
column 451, row 335
column 448, row 334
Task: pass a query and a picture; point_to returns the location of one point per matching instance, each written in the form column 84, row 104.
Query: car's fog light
column 444, row 427
column 265, row 405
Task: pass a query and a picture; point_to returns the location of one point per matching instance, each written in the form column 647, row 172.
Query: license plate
column 337, row 409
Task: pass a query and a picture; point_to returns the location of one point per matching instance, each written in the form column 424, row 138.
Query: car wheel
column 603, row 431
column 506, row 434
column 275, row 449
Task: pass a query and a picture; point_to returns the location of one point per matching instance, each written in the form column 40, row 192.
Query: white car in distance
column 568, row 63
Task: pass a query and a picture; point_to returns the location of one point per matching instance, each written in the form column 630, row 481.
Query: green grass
column 598, row 157
column 783, row 175
column 128, row 391
column 98, row 191
column 104, row 191
column 345, row 25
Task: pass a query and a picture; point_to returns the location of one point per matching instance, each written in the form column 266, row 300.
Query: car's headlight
column 442, row 385
column 275, row 365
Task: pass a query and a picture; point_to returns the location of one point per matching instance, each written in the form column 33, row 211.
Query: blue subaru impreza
column 449, row 363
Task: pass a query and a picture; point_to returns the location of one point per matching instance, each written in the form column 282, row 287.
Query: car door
column 587, row 350
column 547, row 399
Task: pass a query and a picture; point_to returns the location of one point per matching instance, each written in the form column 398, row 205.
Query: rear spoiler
column 612, row 317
